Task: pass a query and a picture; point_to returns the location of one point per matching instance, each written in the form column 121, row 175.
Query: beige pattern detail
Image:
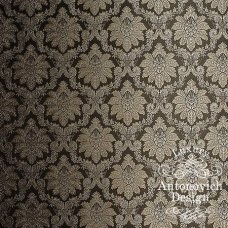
column 158, row 5
column 220, row 4
column 30, row 6
column 218, row 139
column 218, row 211
column 96, row 141
column 190, row 29
column 156, row 215
column 63, row 31
column 127, row 30
column 31, row 68
column 128, row 178
column 8, row 105
column 159, row 140
column 8, row 180
column 191, row 103
column 63, row 104
column 217, row 65
column 8, row 31
column 64, row 178
column 32, row 213
column 127, row 104
column 94, row 6
column 31, row 142
column 95, row 67
column 96, row 213
column 159, row 67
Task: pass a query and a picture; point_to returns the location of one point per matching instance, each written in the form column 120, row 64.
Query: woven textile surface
column 113, row 113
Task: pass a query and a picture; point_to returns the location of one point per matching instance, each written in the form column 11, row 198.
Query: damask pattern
column 95, row 97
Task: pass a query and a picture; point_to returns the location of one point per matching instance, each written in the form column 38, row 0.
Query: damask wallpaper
column 113, row 113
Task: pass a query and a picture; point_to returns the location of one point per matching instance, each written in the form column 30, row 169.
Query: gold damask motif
column 159, row 66
column 97, row 100
column 95, row 68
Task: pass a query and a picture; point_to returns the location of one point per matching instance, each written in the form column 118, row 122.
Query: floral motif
column 30, row 6
column 63, row 30
column 159, row 66
column 127, row 30
column 63, row 104
column 94, row 6
column 128, row 178
column 224, row 176
column 222, row 99
column 217, row 65
column 63, row 138
column 30, row 68
column 32, row 213
column 156, row 215
column 218, row 139
column 128, row 213
column 63, row 178
column 160, row 140
column 222, row 5
column 191, row 103
column 8, row 179
column 158, row 5
column 8, row 30
column 31, row 142
column 127, row 104
column 218, row 211
column 96, row 141
column 97, row 213
column 95, row 67
column 8, row 105
column 190, row 29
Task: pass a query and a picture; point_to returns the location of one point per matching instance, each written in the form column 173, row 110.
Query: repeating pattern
column 95, row 96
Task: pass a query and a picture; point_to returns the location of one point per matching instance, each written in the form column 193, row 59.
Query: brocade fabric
column 97, row 97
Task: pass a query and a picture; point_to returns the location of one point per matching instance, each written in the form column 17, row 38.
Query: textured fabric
column 103, row 103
